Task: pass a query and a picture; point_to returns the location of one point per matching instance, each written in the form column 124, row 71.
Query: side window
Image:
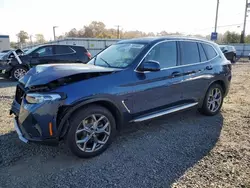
column 63, row 50
column 209, row 50
column 45, row 51
column 189, row 52
column 165, row 53
column 202, row 53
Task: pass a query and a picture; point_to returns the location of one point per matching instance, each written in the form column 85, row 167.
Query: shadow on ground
column 151, row 154
column 7, row 83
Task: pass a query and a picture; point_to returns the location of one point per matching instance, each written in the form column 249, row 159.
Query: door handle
column 209, row 67
column 176, row 74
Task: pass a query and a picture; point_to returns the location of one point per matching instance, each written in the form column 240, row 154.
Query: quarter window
column 209, row 50
column 165, row 53
column 189, row 52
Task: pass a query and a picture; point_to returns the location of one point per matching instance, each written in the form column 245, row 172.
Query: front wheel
column 213, row 100
column 18, row 72
column 91, row 131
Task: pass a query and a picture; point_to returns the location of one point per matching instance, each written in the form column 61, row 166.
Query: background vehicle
column 16, row 67
column 131, row 81
column 229, row 52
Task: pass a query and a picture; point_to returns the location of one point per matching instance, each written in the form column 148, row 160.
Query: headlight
column 35, row 98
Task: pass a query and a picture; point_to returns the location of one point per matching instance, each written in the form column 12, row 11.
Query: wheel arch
column 220, row 82
column 66, row 112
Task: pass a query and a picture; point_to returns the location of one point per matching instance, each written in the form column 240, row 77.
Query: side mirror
column 150, row 65
column 35, row 55
column 224, row 51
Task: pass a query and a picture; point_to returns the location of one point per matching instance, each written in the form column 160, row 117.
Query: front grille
column 19, row 94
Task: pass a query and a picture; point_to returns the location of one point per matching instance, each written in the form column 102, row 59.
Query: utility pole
column 242, row 39
column 30, row 39
column 216, row 17
column 54, row 32
column 118, row 31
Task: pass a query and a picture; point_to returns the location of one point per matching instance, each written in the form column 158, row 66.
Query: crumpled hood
column 43, row 74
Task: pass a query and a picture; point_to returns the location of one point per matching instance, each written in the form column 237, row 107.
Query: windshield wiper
column 105, row 61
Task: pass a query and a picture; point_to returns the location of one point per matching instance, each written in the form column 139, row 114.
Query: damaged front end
column 38, row 107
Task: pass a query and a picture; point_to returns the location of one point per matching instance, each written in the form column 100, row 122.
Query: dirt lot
column 181, row 150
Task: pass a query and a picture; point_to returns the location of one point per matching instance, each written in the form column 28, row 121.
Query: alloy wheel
column 214, row 100
column 19, row 73
column 93, row 133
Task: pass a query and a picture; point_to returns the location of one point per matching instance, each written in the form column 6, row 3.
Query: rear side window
column 209, row 50
column 202, row 53
column 189, row 52
column 63, row 50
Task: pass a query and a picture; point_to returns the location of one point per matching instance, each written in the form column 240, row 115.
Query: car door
column 197, row 69
column 42, row 55
column 64, row 54
column 161, row 89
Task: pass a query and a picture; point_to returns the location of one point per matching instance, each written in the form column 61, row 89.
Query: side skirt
column 164, row 112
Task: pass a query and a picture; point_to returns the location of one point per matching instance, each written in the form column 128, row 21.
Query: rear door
column 64, row 54
column 197, row 69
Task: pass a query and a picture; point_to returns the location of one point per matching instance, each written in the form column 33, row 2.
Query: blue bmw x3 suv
column 131, row 81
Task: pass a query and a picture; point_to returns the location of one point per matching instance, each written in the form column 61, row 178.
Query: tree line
column 97, row 29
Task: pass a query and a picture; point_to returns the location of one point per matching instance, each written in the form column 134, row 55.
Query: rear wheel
column 213, row 100
column 18, row 72
column 92, row 130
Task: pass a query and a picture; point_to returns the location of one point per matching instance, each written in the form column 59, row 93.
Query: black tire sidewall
column 205, row 109
column 14, row 69
column 77, row 118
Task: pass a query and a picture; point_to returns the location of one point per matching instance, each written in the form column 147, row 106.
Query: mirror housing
column 150, row 65
column 35, row 55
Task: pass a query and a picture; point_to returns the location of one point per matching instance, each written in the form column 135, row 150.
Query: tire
column 89, row 133
column 18, row 72
column 210, row 98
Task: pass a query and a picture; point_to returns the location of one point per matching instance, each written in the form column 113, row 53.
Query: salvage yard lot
column 181, row 150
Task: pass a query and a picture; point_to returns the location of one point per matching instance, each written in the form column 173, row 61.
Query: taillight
column 88, row 54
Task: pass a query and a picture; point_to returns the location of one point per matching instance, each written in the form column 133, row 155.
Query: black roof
column 147, row 40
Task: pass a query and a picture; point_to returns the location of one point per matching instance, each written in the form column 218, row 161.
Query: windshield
column 117, row 55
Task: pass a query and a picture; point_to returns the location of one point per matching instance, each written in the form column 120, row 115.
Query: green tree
column 40, row 38
column 14, row 45
column 22, row 36
column 231, row 37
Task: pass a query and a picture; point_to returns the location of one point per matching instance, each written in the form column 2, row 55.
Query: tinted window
column 165, row 53
column 190, row 53
column 209, row 50
column 202, row 53
column 63, row 50
column 45, row 51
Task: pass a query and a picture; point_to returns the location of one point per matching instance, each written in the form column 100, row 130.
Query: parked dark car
column 17, row 67
column 229, row 52
column 131, row 81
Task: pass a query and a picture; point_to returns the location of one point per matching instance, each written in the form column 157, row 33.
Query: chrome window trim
column 178, row 66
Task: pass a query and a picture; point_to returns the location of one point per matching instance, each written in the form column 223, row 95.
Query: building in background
column 4, row 42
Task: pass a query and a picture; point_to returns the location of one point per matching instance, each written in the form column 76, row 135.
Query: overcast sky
column 186, row 16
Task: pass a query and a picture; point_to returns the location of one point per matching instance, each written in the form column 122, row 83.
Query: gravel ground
column 181, row 150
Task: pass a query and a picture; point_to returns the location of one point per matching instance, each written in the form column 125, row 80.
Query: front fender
column 117, row 109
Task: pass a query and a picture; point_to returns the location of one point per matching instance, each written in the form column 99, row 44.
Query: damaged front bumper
column 4, row 68
column 36, row 122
